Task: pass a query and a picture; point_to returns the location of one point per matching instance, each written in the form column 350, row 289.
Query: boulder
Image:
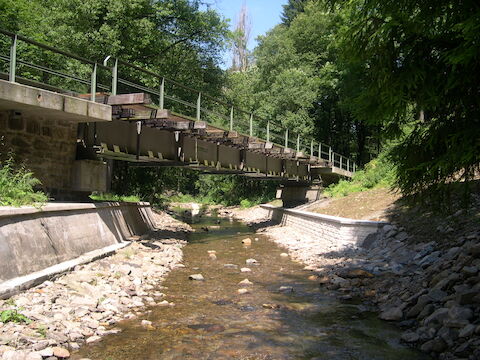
column 392, row 314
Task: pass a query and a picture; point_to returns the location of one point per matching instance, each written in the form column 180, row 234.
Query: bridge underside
column 148, row 136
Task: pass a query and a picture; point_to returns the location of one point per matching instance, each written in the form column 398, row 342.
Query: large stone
column 436, row 345
column 247, row 241
column 467, row 331
column 392, row 314
column 410, row 337
column 437, row 317
column 460, row 313
column 251, row 262
column 60, row 352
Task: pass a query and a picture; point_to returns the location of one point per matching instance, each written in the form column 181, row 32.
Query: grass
column 114, row 197
column 378, row 173
column 17, row 185
column 13, row 315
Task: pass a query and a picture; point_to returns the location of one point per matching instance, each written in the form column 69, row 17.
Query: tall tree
column 241, row 36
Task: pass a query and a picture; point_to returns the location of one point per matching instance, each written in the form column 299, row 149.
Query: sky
column 263, row 14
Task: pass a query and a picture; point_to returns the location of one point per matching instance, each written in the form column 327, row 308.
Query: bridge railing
column 36, row 64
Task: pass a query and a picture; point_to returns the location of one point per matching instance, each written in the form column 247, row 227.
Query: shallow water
column 212, row 321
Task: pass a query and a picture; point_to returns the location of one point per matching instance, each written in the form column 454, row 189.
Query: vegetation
column 12, row 315
column 378, row 173
column 114, row 197
column 17, row 185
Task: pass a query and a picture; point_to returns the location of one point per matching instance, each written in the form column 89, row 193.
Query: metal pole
column 286, row 138
column 231, row 119
column 320, row 150
column 115, row 77
column 340, row 161
column 354, row 167
column 330, row 154
column 251, row 125
column 93, row 83
column 298, row 143
column 268, row 131
column 311, row 148
column 162, row 94
column 348, row 164
column 13, row 59
column 199, row 102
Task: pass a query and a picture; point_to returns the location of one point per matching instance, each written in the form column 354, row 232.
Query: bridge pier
column 294, row 195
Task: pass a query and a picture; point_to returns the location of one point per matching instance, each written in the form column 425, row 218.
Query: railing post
column 311, row 148
column 93, row 83
column 320, row 150
column 162, row 94
column 13, row 59
column 348, row 164
column 251, row 125
column 330, row 154
column 286, row 138
column 340, row 161
column 268, row 131
column 298, row 143
column 115, row 77
column 199, row 109
column 354, row 167
column 231, row 119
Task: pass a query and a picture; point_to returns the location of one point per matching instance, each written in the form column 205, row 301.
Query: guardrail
column 81, row 75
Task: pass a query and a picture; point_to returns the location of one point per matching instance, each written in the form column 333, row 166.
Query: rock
column 212, row 256
column 230, row 266
column 357, row 274
column 437, row 317
column 285, row 289
column 460, row 313
column 33, row 356
column 60, row 352
column 337, row 280
column 47, row 352
column 448, row 335
column 467, row 331
column 313, row 278
column 146, row 323
column 14, row 355
column 243, row 291
column 211, row 251
column 392, row 314
column 468, row 297
column 285, row 255
column 93, row 339
column 247, row 241
column 470, row 270
column 410, row 337
column 251, row 262
column 436, row 345
column 243, row 270
column 197, row 277
column 245, row 282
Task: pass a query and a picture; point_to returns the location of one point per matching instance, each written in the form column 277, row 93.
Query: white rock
column 243, row 270
column 245, row 282
column 198, row 277
column 251, row 262
column 243, row 291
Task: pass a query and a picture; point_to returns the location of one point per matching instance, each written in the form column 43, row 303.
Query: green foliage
column 17, row 185
column 378, row 173
column 12, row 315
column 114, row 197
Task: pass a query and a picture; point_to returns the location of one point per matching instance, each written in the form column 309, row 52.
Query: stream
column 212, row 320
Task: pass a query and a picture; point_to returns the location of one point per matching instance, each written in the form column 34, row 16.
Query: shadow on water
column 211, row 320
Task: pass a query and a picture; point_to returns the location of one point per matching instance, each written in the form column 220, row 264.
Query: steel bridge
column 156, row 121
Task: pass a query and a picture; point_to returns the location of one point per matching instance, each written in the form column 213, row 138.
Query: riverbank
column 422, row 272
column 82, row 306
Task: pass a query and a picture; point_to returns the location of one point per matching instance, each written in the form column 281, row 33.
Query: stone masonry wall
column 339, row 232
column 46, row 146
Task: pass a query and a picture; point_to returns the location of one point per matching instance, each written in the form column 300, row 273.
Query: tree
column 241, row 36
column 415, row 62
column 292, row 9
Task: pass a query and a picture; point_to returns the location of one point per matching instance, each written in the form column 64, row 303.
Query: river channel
column 211, row 320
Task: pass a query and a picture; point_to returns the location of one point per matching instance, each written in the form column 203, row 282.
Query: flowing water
column 211, row 320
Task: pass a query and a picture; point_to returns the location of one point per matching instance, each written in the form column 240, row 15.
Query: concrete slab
column 30, row 100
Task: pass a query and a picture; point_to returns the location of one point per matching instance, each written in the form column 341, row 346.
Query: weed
column 13, row 315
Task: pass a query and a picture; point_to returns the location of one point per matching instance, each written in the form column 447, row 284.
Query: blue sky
column 264, row 15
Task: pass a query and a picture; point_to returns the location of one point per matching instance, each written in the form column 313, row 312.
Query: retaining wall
column 338, row 231
column 32, row 239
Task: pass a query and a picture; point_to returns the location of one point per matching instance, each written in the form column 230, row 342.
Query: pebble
column 245, row 282
column 247, row 241
column 243, row 291
column 243, row 270
column 197, row 277
column 251, row 262
column 285, row 255
column 60, row 352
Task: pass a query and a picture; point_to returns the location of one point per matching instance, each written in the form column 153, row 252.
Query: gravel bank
column 84, row 305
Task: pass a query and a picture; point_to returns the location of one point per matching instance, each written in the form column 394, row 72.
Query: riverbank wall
column 341, row 232
column 35, row 242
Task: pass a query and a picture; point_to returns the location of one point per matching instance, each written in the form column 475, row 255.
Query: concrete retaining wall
column 33, row 239
column 340, row 232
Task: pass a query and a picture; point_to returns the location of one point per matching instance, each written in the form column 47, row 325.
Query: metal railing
column 166, row 94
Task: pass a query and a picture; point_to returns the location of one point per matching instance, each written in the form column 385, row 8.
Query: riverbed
column 280, row 315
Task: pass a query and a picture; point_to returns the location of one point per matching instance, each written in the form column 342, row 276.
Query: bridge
column 122, row 111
